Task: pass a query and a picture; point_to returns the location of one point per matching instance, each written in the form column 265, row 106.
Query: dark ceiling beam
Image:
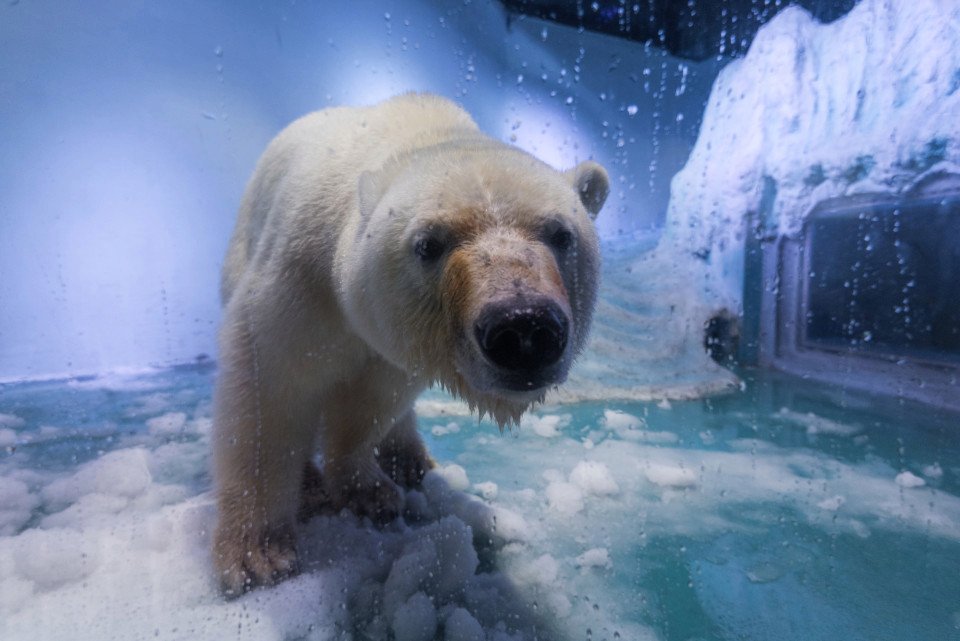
column 692, row 29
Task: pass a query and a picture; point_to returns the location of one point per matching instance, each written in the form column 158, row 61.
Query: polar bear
column 377, row 251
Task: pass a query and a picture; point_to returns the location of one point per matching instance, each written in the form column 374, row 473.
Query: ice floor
column 783, row 511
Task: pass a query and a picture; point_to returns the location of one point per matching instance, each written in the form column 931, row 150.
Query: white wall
column 867, row 104
column 130, row 128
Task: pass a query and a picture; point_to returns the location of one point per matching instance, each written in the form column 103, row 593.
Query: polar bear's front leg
column 357, row 416
column 403, row 455
column 260, row 447
column 357, row 483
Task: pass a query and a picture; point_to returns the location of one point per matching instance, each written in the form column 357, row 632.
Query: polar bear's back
column 312, row 169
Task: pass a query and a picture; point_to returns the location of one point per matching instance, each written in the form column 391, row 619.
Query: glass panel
column 885, row 280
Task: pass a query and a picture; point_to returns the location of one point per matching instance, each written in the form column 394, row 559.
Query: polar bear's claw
column 244, row 567
column 406, row 464
column 374, row 496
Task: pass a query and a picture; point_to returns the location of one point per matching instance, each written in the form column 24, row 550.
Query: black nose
column 522, row 337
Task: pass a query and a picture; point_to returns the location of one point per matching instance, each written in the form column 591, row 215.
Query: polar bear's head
column 476, row 266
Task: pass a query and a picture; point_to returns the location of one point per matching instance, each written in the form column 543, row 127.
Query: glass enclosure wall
column 759, row 440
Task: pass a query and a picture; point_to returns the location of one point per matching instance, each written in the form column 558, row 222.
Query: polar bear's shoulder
column 426, row 108
column 409, row 111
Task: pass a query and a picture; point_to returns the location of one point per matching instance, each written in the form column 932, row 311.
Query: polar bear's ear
column 369, row 192
column 591, row 183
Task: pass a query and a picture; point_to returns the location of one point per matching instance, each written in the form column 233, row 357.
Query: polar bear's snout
column 525, row 340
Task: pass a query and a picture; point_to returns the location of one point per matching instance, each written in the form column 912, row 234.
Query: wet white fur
column 332, row 326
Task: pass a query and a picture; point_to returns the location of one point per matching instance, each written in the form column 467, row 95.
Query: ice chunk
column 634, row 428
column 617, row 421
column 765, row 572
column 832, row 504
column 455, row 476
column 666, row 475
column 908, row 479
column 497, row 524
column 11, row 421
column 558, row 603
column 649, row 436
column 595, row 558
column 510, row 526
column 7, row 437
column 487, row 490
column 565, row 498
column 540, row 571
column 546, row 426
column 416, row 620
column 169, row 424
column 933, row 471
column 815, row 424
column 43, row 434
column 16, row 505
column 461, row 626
column 439, row 561
column 594, row 478
column 443, row 430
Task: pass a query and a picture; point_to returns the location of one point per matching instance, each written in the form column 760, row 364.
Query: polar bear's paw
column 406, row 462
column 245, row 562
column 367, row 492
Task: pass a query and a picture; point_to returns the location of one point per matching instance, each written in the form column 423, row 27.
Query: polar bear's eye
column 428, row 248
column 561, row 238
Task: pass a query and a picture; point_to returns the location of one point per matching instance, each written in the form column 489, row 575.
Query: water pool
column 784, row 511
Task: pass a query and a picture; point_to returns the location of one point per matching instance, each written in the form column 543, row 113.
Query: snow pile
column 869, row 103
column 115, row 539
column 638, row 348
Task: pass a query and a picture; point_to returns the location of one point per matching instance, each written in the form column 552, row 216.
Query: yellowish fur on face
column 494, row 222
column 488, row 263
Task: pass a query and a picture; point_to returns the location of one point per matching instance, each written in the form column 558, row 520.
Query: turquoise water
column 781, row 511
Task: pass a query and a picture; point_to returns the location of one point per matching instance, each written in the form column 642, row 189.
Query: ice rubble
column 118, row 547
column 869, row 103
